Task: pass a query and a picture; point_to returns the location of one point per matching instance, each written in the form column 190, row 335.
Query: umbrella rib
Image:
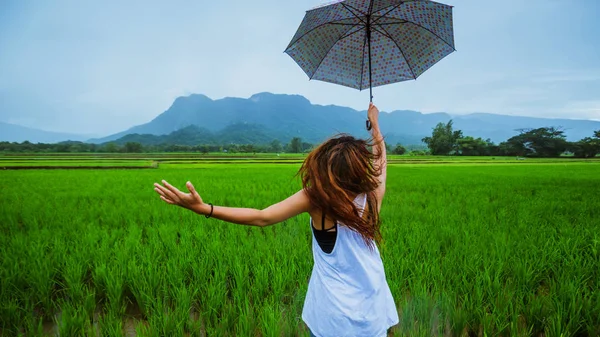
column 434, row 34
column 333, row 45
column 350, row 34
column 340, row 21
column 370, row 7
column 348, row 8
column 388, row 12
column 390, row 23
column 406, row 21
column 362, row 66
column 343, row 24
column 368, row 36
column 319, row 26
column 384, row 33
column 403, row 2
column 388, row 35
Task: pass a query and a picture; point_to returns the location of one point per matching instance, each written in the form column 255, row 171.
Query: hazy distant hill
column 17, row 133
column 502, row 127
column 285, row 116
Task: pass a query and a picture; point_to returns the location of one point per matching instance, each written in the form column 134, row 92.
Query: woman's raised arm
column 379, row 151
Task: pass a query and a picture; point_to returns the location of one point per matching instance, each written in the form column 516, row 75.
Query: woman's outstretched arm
column 292, row 206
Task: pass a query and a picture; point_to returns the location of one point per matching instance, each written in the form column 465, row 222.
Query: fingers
column 164, row 197
column 159, row 191
column 168, row 201
column 373, row 108
column 172, row 195
column 190, row 187
column 166, row 191
column 193, row 192
column 172, row 191
column 170, row 187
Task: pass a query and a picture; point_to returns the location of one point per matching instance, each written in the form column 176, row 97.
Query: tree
column 232, row 148
column 418, row 153
column 585, row 148
column 133, row 147
column 295, row 145
column 203, row 149
column 469, row 146
column 275, row 146
column 76, row 147
column 399, row 149
column 247, row 148
column 62, row 147
column 540, row 142
column 306, row 147
column 111, row 147
column 588, row 147
column 443, row 140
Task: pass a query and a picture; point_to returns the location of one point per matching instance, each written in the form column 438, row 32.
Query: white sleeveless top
column 348, row 294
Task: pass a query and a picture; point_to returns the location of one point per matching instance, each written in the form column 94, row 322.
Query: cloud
column 101, row 68
column 586, row 109
column 568, row 75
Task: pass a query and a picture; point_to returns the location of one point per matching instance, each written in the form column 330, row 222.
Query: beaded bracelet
column 211, row 211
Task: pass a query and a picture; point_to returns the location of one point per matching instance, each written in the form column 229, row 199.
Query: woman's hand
column 171, row 195
column 373, row 113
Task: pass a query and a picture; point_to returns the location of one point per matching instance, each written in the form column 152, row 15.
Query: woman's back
column 348, row 294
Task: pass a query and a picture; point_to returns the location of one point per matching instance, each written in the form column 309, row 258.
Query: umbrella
column 360, row 43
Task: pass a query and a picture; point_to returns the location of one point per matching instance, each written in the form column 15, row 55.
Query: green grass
column 74, row 163
column 469, row 250
column 191, row 160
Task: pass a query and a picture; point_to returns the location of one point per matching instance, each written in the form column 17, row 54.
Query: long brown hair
column 334, row 173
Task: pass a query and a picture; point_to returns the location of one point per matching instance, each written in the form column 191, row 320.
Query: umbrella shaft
column 368, row 30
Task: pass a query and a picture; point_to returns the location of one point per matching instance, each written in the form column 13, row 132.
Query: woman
column 343, row 187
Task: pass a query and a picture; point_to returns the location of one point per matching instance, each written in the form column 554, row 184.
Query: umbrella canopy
column 368, row 43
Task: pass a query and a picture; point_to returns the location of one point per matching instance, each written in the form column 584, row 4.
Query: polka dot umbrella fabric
column 403, row 39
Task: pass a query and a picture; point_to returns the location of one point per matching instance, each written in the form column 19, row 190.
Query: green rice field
column 472, row 247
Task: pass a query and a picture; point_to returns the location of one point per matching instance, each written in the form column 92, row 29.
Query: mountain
column 278, row 117
column 17, row 133
column 193, row 135
column 270, row 116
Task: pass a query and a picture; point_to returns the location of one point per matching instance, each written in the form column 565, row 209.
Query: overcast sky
column 99, row 67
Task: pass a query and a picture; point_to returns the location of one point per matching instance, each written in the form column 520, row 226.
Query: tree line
column 540, row 142
column 444, row 140
column 296, row 145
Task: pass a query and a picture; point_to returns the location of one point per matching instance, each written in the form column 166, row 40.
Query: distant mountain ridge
column 266, row 116
column 17, row 133
column 283, row 117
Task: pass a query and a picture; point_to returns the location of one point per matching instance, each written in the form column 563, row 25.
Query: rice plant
column 469, row 250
